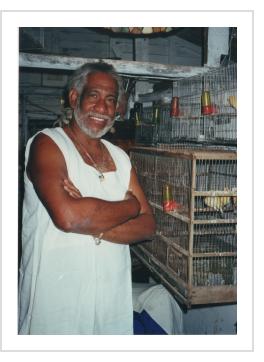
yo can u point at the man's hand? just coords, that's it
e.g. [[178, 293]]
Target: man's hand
[[71, 189], [130, 196], [138, 228]]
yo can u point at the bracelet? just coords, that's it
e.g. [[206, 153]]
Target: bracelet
[[97, 239]]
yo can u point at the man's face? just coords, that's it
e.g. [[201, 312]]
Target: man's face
[[96, 106]]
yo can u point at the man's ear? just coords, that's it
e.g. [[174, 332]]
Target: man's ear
[[73, 97]]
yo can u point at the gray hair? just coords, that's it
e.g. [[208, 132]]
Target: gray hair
[[79, 77]]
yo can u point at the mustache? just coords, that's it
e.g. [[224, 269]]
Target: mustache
[[97, 115]]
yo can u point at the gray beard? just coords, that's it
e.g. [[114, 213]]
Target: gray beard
[[88, 131]]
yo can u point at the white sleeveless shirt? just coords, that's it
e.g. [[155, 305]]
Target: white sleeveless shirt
[[68, 284]]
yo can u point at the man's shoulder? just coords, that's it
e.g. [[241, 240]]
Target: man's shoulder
[[51, 131], [40, 136], [45, 138]]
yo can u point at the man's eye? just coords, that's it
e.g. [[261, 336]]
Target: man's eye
[[112, 100], [89, 95], [92, 95]]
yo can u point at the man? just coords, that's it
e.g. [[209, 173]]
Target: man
[[83, 205]]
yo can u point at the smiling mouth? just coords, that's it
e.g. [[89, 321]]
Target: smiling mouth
[[97, 119]]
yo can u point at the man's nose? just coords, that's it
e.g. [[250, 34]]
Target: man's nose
[[100, 106]]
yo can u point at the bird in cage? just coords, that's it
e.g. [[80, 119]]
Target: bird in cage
[[218, 203], [234, 199], [232, 101]]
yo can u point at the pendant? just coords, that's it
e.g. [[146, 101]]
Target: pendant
[[97, 241], [101, 177]]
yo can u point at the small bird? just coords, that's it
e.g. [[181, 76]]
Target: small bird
[[217, 203], [232, 101]]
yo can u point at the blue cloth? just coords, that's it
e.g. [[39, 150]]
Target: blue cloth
[[144, 324]]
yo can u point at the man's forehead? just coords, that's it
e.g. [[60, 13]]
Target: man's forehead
[[101, 76]]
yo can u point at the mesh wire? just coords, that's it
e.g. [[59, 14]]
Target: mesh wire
[[219, 127], [213, 271]]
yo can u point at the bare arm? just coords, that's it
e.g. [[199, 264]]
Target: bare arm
[[139, 228], [47, 169]]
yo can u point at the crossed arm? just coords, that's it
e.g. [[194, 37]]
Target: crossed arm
[[124, 221], [138, 228]]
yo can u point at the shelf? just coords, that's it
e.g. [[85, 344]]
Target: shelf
[[123, 67], [201, 116], [197, 221], [172, 213], [201, 154], [214, 221], [214, 193]]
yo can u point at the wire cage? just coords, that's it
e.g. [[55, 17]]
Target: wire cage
[[146, 131], [204, 188], [149, 126], [195, 244], [189, 91], [146, 134], [221, 82], [214, 129], [206, 109]]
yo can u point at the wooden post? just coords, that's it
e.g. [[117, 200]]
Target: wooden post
[[191, 226]]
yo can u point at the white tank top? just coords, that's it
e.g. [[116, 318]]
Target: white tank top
[[68, 284]]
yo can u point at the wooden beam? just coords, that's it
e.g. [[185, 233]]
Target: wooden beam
[[214, 294], [123, 67], [203, 154]]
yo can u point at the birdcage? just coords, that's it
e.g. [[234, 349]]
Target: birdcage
[[149, 129], [146, 131], [189, 91], [206, 109], [221, 82], [194, 250]]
